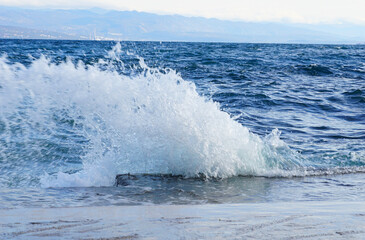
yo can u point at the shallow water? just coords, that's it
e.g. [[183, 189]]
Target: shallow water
[[260, 122], [152, 190]]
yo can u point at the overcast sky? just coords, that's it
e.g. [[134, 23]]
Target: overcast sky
[[303, 11]]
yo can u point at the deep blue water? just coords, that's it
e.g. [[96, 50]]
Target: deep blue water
[[191, 122]]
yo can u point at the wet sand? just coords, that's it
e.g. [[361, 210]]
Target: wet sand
[[293, 220]]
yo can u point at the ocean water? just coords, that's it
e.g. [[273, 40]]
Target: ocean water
[[88, 123]]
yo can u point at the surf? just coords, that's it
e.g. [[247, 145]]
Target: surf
[[82, 124]]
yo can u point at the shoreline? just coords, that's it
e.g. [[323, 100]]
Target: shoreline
[[284, 220]]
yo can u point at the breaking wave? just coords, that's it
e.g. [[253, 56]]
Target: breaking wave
[[75, 124]]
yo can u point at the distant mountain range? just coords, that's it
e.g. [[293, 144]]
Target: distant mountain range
[[100, 24]]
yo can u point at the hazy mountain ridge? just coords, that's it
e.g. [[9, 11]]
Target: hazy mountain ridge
[[11, 32], [130, 25]]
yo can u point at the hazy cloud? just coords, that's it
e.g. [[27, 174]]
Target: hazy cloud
[[305, 11]]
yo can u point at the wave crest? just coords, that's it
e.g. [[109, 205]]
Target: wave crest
[[138, 121]]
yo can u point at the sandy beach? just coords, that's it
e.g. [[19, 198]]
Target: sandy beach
[[295, 220]]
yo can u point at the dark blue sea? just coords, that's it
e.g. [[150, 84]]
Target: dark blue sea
[[97, 123]]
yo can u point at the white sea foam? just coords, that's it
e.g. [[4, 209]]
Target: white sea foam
[[148, 122]]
